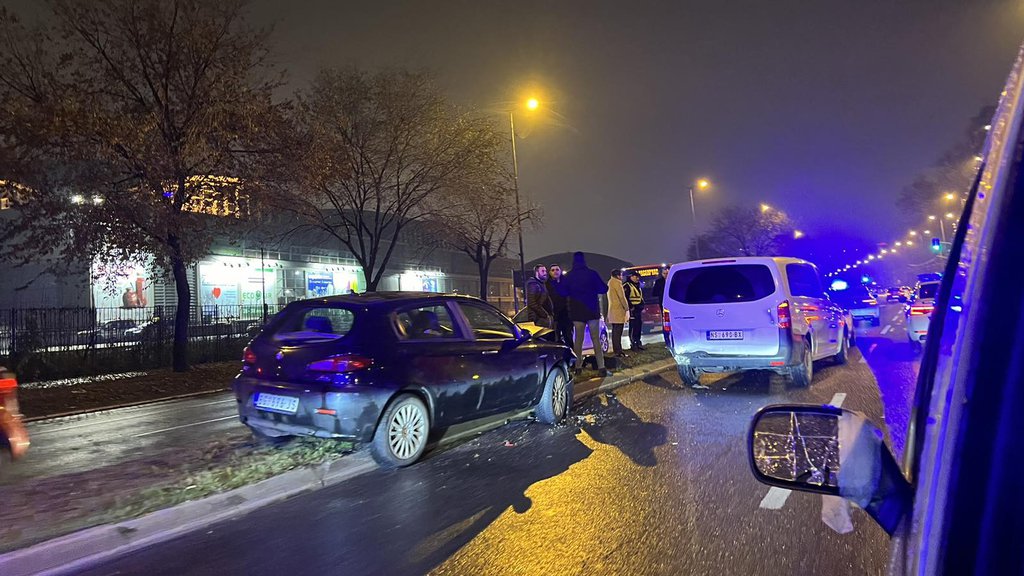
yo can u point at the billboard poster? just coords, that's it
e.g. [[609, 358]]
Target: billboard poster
[[319, 284], [218, 285]]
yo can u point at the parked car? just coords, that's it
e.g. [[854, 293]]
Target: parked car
[[753, 313], [856, 299], [110, 331], [389, 368], [953, 506], [919, 312], [548, 334]]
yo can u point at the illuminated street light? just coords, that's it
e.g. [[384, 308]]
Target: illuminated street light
[[871, 256], [532, 104], [765, 207], [913, 232], [927, 231], [978, 158], [77, 199], [859, 262], [931, 217], [910, 242], [97, 200], [893, 251], [798, 234], [702, 184], [884, 251], [898, 243], [950, 196], [988, 127], [949, 215]]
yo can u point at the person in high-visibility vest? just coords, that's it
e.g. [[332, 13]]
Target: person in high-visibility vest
[[635, 297]]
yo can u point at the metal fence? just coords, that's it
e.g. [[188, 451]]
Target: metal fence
[[44, 343]]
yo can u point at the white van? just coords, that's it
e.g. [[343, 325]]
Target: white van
[[754, 313]]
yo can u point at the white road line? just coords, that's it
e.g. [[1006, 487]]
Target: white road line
[[776, 497], [183, 426], [886, 330]]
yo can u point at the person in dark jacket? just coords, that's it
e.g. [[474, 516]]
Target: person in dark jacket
[[658, 290], [635, 297], [539, 309], [582, 288], [563, 325]]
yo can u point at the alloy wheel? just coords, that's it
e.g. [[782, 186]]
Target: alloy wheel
[[407, 431]]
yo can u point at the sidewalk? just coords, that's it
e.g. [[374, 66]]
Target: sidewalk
[[116, 509]]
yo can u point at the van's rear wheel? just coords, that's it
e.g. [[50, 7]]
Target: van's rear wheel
[[802, 374], [689, 376]]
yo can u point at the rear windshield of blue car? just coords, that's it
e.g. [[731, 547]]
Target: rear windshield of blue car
[[304, 324], [722, 284]]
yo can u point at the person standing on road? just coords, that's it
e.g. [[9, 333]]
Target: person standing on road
[[635, 298], [658, 290], [563, 325], [539, 309], [618, 310], [581, 289]]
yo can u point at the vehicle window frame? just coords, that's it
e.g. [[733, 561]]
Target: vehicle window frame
[[817, 289], [772, 270], [460, 329], [273, 331], [471, 334]]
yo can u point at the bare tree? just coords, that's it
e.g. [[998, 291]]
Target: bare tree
[[133, 123], [377, 152], [743, 231]]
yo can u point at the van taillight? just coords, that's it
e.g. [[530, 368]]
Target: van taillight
[[340, 364], [666, 323], [785, 321], [248, 356]]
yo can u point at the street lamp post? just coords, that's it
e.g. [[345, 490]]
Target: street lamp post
[[515, 182], [702, 184]]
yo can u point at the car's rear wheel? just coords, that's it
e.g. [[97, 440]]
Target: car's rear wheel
[[689, 376], [554, 402], [802, 374], [843, 356], [401, 435], [604, 342]]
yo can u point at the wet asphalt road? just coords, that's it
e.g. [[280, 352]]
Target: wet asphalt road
[[652, 479]]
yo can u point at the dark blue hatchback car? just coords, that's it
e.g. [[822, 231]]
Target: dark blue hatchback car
[[390, 367]]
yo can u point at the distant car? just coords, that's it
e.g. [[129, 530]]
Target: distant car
[[861, 305], [110, 331], [894, 295], [388, 368], [919, 312], [752, 313], [549, 334]]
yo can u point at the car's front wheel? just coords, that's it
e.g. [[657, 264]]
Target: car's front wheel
[[401, 435], [554, 401]]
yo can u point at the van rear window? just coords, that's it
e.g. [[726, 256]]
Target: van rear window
[[722, 284], [313, 324]]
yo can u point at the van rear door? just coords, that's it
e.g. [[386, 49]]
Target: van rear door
[[724, 307]]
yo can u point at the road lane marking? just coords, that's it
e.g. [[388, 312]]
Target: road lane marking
[[184, 426], [776, 497], [886, 330]]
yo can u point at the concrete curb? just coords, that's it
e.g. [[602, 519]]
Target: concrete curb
[[79, 550]]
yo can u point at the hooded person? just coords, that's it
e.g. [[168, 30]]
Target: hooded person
[[582, 289]]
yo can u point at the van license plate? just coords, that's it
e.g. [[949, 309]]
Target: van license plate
[[725, 334], [275, 403]]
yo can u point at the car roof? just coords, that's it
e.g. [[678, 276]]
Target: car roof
[[780, 261], [387, 299]]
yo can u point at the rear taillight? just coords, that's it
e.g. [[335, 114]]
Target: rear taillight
[[248, 356], [921, 310], [341, 364], [666, 323], [871, 301], [785, 320]]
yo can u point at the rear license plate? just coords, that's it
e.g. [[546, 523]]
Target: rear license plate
[[276, 403], [725, 334]]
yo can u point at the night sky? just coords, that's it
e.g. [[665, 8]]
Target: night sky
[[825, 109]]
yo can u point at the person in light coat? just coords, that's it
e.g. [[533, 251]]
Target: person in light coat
[[618, 310]]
